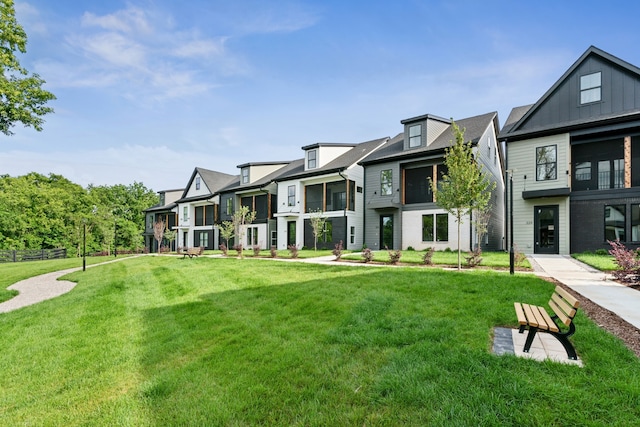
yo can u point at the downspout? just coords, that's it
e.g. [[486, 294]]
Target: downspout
[[346, 222]]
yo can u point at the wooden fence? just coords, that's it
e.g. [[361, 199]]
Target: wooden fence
[[31, 255]]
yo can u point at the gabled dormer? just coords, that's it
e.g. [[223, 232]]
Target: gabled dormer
[[421, 131], [318, 155], [253, 172]]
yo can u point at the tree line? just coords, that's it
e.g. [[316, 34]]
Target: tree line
[[46, 212]]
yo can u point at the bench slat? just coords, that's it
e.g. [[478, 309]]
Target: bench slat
[[563, 305], [530, 316], [522, 319], [551, 325], [574, 302], [537, 311], [561, 315]]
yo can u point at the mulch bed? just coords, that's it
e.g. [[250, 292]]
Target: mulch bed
[[608, 320]]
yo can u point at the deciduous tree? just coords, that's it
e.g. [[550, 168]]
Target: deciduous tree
[[22, 98], [465, 187], [318, 221]]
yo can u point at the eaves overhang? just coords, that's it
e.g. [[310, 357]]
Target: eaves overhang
[[578, 127]]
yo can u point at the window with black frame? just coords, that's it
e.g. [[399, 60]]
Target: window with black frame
[[546, 163], [615, 218]]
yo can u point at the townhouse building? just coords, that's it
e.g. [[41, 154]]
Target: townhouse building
[[328, 182], [401, 210], [574, 157]]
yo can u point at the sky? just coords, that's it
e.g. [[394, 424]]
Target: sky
[[148, 90]]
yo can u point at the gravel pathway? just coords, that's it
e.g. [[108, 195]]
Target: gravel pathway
[[40, 288]]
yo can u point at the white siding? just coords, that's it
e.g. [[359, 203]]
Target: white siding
[[522, 160], [412, 232]]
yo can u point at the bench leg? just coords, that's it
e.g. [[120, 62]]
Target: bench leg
[[564, 340], [530, 336]]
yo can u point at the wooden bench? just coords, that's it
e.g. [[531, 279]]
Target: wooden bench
[[191, 252], [536, 318]]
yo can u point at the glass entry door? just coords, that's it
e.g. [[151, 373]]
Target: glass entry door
[[546, 230], [386, 231]]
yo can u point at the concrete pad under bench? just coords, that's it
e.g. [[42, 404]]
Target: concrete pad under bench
[[544, 346]]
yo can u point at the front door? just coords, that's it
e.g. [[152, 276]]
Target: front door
[[546, 229], [386, 231], [291, 233]]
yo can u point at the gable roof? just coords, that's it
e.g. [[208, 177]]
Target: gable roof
[[265, 180], [340, 163], [474, 127], [538, 119], [213, 180]]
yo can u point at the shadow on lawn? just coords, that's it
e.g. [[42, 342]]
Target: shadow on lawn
[[269, 354]]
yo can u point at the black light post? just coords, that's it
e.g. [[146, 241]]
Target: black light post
[[511, 252], [115, 235], [84, 245]]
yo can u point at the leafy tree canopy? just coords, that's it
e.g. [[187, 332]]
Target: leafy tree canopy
[[43, 212], [22, 98]]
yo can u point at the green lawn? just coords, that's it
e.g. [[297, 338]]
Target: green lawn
[[169, 341], [13, 272], [601, 262]]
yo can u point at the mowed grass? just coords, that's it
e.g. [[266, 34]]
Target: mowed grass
[[168, 341], [601, 262], [13, 272]]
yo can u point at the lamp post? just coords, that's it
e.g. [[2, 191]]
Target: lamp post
[[84, 244], [511, 251]]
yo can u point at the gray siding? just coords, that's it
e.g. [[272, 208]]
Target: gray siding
[[376, 205], [620, 93]]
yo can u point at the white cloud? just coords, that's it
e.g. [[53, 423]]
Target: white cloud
[[113, 49], [200, 48], [129, 20]]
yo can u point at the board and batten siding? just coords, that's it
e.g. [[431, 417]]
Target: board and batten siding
[[522, 160], [375, 205]]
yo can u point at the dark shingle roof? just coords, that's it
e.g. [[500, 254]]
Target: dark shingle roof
[[267, 179], [473, 128], [351, 157]]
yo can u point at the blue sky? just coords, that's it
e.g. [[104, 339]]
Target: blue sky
[[149, 89]]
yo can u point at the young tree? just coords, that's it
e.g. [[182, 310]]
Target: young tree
[[170, 236], [240, 218], [22, 98], [318, 221], [465, 187], [158, 232], [227, 232]]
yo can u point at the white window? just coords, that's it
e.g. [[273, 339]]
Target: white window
[[311, 159], [291, 195], [415, 136], [204, 239], [185, 213], [590, 88], [245, 175], [197, 182]]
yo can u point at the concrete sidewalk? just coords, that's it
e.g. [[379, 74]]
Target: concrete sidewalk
[[593, 284]]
